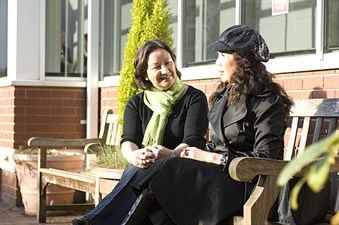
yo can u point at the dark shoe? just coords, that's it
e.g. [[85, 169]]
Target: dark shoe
[[81, 221]]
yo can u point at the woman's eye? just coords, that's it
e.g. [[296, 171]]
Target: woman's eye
[[156, 67]]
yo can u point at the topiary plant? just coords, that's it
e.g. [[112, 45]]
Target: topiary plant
[[150, 20]]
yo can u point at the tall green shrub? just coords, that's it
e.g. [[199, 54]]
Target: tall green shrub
[[150, 20]]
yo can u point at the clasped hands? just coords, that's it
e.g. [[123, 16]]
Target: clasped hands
[[146, 156]]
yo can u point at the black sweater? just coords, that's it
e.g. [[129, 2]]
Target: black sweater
[[187, 124]]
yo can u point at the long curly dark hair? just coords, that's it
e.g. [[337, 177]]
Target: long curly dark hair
[[251, 77]]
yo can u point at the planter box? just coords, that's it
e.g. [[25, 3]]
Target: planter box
[[108, 178], [26, 169]]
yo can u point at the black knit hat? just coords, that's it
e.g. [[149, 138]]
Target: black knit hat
[[245, 41]]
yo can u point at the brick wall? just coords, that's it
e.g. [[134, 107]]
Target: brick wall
[[302, 85], [37, 111], [312, 84], [49, 112], [9, 188]]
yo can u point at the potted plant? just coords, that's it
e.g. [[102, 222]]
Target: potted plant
[[26, 168], [109, 165]]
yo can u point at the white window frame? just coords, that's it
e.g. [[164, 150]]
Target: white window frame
[[281, 64]]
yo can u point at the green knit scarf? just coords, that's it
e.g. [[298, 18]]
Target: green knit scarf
[[161, 103]]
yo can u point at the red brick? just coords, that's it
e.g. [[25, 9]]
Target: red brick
[[38, 110], [63, 111], [38, 94], [325, 72], [306, 73], [314, 82], [331, 81], [292, 83], [300, 94]]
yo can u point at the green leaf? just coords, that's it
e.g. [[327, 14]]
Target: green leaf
[[294, 193], [318, 174], [328, 145]]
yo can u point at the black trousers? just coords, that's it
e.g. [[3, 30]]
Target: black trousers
[[147, 211], [115, 206]]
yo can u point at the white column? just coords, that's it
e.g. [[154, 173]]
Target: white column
[[23, 40], [92, 69], [320, 27], [180, 37]]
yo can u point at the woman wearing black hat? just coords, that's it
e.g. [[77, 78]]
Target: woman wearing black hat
[[247, 116]]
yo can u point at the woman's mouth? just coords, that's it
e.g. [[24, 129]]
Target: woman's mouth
[[220, 73]]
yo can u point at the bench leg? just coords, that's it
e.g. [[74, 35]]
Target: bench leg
[[96, 195], [261, 201], [41, 212]]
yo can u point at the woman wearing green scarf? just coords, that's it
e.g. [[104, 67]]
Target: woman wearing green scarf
[[160, 122]]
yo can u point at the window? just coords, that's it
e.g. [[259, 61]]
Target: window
[[204, 20], [294, 31], [115, 24], [332, 25], [66, 38], [3, 38]]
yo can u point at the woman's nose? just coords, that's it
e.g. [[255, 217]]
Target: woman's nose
[[163, 69], [218, 61]]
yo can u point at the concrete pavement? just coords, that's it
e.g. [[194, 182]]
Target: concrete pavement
[[16, 216]]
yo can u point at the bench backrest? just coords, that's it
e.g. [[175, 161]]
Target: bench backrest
[[310, 120], [109, 128]]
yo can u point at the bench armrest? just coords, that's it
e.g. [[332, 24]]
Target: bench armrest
[[58, 142], [245, 169]]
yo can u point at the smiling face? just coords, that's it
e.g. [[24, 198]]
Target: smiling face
[[226, 67], [161, 70]]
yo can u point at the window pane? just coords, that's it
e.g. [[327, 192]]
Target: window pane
[[293, 31], [173, 6], [3, 38], [332, 27], [116, 22], [204, 20], [66, 44], [115, 26]]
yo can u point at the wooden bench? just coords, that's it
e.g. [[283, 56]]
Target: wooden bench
[[82, 181], [310, 121]]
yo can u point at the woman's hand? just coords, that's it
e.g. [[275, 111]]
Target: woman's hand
[[194, 153], [200, 155], [160, 151], [142, 158]]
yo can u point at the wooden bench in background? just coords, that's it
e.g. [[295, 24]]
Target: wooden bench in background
[[82, 181], [311, 120]]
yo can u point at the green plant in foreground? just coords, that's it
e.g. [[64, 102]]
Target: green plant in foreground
[[320, 156]]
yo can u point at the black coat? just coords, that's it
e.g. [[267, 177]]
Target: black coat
[[193, 192], [255, 129]]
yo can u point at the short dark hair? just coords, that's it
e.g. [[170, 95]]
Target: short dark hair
[[141, 61]]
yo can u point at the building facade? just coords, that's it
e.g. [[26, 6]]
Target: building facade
[[60, 59]]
